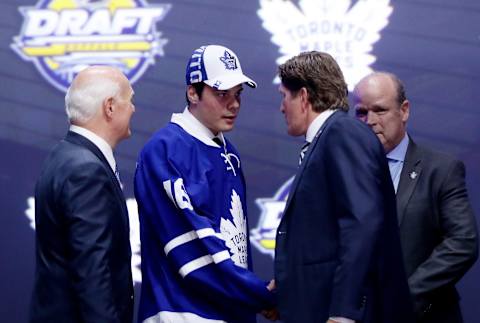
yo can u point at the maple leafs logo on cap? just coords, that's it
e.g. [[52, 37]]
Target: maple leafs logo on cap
[[229, 60]]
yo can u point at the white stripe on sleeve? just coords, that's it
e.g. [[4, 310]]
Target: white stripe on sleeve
[[179, 240], [203, 261], [195, 264], [187, 237]]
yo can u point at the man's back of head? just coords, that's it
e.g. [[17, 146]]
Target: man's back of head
[[99, 99], [320, 74]]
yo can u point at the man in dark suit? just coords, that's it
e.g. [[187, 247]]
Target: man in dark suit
[[83, 270], [337, 256], [437, 227]]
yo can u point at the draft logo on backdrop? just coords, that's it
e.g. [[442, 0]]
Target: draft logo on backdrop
[[263, 235], [62, 37], [345, 29]]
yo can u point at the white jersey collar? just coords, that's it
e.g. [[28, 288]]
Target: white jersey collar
[[195, 128]]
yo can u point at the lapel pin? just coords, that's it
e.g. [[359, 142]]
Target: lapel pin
[[413, 175]]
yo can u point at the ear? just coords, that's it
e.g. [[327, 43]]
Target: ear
[[303, 94], [405, 110], [108, 107], [192, 95]]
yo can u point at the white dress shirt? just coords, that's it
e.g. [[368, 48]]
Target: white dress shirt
[[99, 142], [317, 123]]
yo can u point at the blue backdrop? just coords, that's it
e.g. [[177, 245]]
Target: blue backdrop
[[433, 45]]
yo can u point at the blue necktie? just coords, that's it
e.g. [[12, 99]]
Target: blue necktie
[[395, 166]]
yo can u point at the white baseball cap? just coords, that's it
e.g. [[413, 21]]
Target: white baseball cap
[[216, 66]]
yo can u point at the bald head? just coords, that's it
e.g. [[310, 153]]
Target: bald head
[[100, 100], [384, 82], [379, 100], [89, 89]]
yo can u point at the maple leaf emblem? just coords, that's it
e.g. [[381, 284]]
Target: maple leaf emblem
[[334, 26], [229, 61], [235, 234]]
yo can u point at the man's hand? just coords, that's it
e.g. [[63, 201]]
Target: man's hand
[[340, 320], [271, 285], [271, 314]]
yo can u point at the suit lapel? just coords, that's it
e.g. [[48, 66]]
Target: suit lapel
[[411, 172], [299, 174], [75, 138]]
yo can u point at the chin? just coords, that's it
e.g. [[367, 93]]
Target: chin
[[294, 132], [226, 128], [127, 135]]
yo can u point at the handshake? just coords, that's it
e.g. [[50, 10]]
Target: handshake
[[271, 314]]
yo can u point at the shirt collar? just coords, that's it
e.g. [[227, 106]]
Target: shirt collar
[[317, 124], [195, 128], [399, 152], [97, 141]]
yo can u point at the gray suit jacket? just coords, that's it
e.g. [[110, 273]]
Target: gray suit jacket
[[437, 229]]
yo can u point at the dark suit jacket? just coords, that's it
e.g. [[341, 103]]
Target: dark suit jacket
[[438, 231], [337, 248], [83, 271]]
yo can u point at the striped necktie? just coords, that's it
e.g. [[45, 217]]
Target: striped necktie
[[117, 175], [303, 151]]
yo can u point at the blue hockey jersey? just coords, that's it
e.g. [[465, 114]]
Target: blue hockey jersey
[[193, 229]]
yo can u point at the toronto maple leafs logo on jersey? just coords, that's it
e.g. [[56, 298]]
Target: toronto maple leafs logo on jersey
[[263, 236], [334, 26], [229, 60], [235, 233]]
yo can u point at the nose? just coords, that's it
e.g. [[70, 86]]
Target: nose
[[371, 118], [234, 104]]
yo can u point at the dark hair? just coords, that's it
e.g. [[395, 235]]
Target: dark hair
[[199, 86], [320, 74]]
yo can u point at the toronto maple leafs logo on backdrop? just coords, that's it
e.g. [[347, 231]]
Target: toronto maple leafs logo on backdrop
[[235, 234], [337, 27], [229, 60]]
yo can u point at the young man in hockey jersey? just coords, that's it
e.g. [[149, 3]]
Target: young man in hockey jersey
[[190, 191]]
